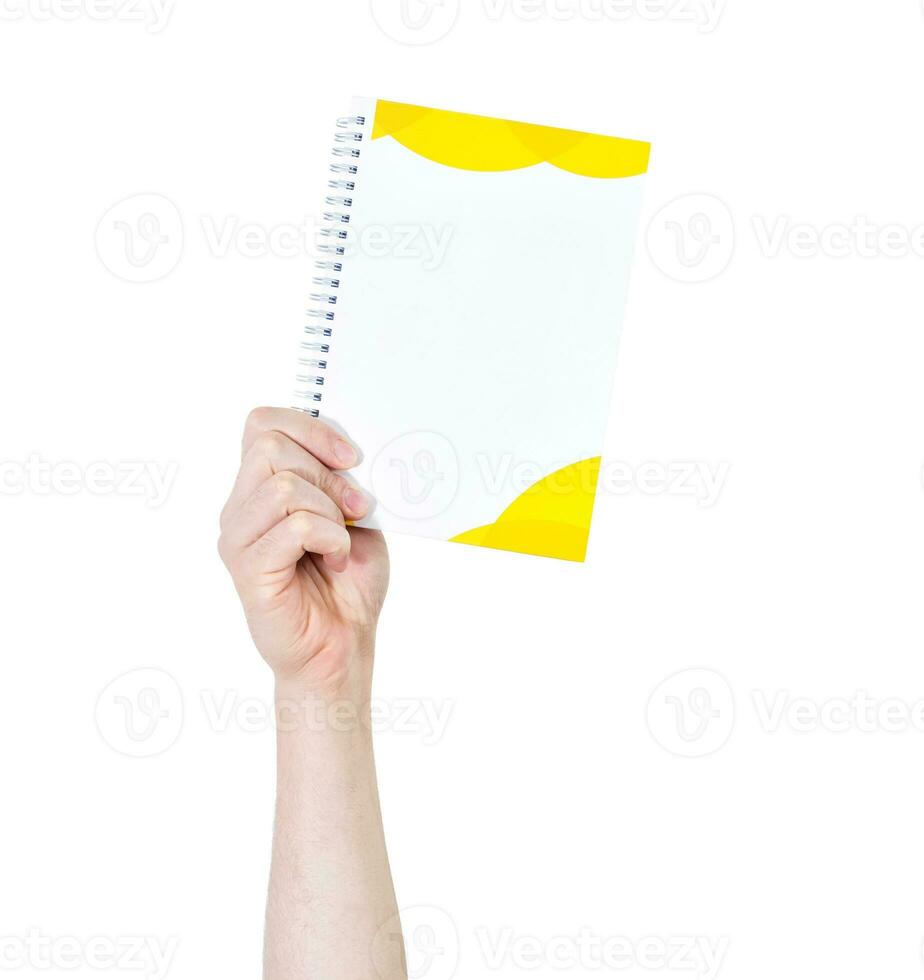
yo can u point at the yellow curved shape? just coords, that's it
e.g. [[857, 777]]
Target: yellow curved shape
[[457, 139], [551, 518]]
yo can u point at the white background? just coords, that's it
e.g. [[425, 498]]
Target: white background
[[562, 796]]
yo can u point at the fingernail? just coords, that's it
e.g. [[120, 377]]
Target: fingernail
[[345, 452], [356, 501]]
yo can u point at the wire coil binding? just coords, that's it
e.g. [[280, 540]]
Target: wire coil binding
[[323, 298]]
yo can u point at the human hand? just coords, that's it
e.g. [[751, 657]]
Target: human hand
[[311, 588]]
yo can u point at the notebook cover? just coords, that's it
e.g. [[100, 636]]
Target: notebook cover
[[474, 319]]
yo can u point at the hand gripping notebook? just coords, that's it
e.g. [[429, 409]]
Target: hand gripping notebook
[[464, 319]]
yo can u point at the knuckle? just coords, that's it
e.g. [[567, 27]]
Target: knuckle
[[270, 443], [302, 523], [257, 419], [285, 483]]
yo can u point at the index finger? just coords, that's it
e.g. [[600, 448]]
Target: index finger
[[318, 438]]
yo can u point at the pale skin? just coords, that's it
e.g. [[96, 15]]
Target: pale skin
[[312, 589]]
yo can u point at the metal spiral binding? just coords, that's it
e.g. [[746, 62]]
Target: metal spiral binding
[[329, 264]]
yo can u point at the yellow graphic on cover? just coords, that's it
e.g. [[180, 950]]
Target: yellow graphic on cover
[[467, 142], [551, 518]]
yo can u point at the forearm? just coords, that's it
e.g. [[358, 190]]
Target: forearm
[[312, 587], [330, 888]]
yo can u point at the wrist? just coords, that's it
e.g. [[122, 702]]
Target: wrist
[[329, 695]]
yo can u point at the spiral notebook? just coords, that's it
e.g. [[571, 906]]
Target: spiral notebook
[[464, 318]]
